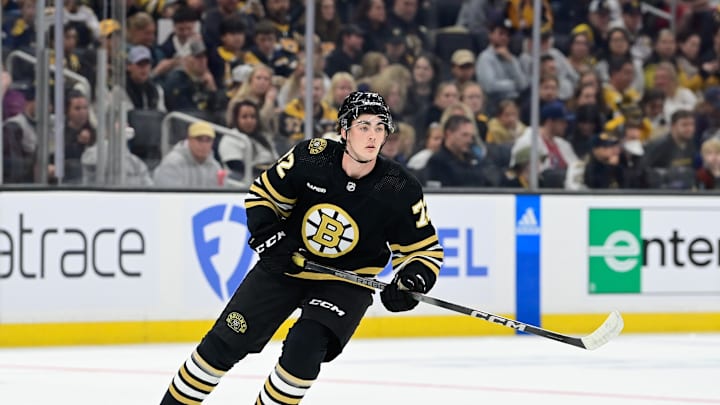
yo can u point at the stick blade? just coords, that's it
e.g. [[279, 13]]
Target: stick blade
[[611, 328]]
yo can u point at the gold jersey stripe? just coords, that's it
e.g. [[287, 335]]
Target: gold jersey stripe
[[438, 254], [291, 379], [279, 396], [181, 398], [432, 266], [415, 246], [277, 196], [194, 382], [205, 366]]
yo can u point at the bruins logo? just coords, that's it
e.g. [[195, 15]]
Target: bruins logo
[[236, 322], [317, 145], [329, 231]]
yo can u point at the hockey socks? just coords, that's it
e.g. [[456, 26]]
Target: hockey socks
[[193, 382], [283, 388]]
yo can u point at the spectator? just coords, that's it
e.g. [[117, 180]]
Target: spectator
[[674, 154], [708, 176], [267, 50], [506, 126], [135, 171], [191, 87], [676, 96], [402, 19], [397, 50], [445, 94], [258, 88], [653, 107], [708, 116], [553, 62], [292, 120], [618, 90], [619, 49], [497, 70], [603, 168], [476, 15], [190, 163], [229, 54], [431, 143], [185, 21], [393, 91], [471, 94], [371, 17], [665, 50], [710, 61], [79, 135], [553, 125], [631, 156], [398, 145], [455, 164], [20, 143], [19, 30], [233, 147], [141, 30], [688, 62], [702, 20], [225, 9], [597, 26], [462, 66], [548, 94], [425, 78], [371, 65], [279, 13], [341, 85], [631, 20], [141, 91], [579, 56], [84, 20], [630, 113], [346, 57], [327, 24], [518, 175], [587, 124]]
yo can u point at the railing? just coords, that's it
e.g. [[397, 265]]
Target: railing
[[82, 80], [165, 140]]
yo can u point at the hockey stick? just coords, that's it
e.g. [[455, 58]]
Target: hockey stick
[[612, 326]]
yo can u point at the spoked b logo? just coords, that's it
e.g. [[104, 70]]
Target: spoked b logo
[[220, 236]]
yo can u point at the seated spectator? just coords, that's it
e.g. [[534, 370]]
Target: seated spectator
[[229, 54], [327, 24], [291, 122], [618, 90], [673, 155], [393, 91], [587, 124], [341, 85], [371, 64], [632, 21], [268, 51], [665, 50], [708, 116], [548, 94], [619, 49], [135, 171], [233, 147], [142, 30], [506, 126], [79, 135], [497, 70], [631, 156], [688, 62], [402, 18], [603, 169], [191, 87], [432, 142], [140, 89], [425, 78], [178, 42], [259, 89], [676, 97], [553, 63], [398, 146], [630, 114], [346, 57], [20, 142], [553, 125], [579, 56], [371, 17], [190, 163], [84, 20], [518, 175], [445, 94], [455, 164], [471, 94], [708, 176], [398, 51], [19, 30], [228, 9], [462, 67], [653, 106]]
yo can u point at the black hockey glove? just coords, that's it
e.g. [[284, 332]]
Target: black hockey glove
[[275, 248], [413, 277]]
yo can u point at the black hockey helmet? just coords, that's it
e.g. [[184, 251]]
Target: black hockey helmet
[[358, 103]]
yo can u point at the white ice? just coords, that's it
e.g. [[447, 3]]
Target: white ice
[[632, 369]]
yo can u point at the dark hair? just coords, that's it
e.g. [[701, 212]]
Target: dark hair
[[454, 122], [71, 95], [232, 25], [236, 112], [546, 57], [616, 63], [680, 114], [185, 13], [265, 27], [651, 95]]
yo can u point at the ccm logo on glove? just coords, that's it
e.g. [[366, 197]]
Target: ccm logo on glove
[[270, 242]]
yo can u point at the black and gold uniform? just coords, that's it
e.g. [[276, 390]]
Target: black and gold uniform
[[307, 201]]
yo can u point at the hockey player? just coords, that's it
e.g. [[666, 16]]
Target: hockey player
[[339, 204]]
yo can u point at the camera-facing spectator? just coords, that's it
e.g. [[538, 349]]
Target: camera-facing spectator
[[19, 30], [229, 54], [190, 163], [708, 176], [266, 50], [672, 156], [79, 135], [291, 122], [177, 44], [227, 9], [603, 169], [142, 92], [462, 66], [347, 56], [505, 127], [676, 97], [371, 17]]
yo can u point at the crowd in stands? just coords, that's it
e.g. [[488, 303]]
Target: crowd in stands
[[628, 99]]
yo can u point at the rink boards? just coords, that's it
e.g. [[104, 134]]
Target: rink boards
[[115, 267]]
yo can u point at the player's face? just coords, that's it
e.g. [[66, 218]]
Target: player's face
[[365, 136]]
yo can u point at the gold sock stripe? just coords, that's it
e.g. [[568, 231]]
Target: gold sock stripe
[[181, 398], [192, 381], [291, 379], [280, 396], [287, 389], [205, 366]]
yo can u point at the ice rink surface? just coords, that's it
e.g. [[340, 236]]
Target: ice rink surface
[[632, 369]]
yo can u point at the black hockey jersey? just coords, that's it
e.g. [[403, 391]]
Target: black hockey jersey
[[351, 224]]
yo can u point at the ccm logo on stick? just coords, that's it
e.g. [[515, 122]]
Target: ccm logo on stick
[[327, 305], [494, 319]]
